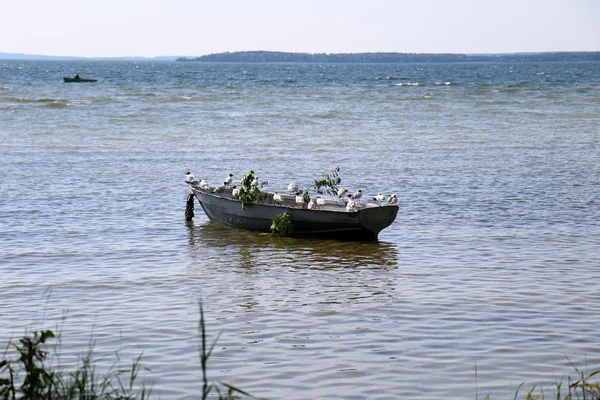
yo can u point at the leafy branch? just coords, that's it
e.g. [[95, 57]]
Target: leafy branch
[[329, 183], [283, 225], [249, 193]]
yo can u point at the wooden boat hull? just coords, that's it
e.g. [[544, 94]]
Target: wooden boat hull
[[66, 79], [331, 222]]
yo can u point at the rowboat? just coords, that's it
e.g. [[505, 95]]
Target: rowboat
[[67, 79], [329, 217]]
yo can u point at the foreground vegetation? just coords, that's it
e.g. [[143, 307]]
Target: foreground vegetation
[[583, 388], [29, 377]]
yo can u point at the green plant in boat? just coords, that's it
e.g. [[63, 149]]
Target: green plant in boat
[[248, 192]]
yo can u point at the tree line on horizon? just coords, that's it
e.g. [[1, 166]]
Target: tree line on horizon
[[286, 57]]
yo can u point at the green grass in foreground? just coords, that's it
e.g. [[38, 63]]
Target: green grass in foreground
[[28, 377], [583, 388]]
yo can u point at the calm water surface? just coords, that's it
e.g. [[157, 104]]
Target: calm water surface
[[491, 264]]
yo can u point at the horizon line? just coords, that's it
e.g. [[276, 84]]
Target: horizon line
[[32, 55]]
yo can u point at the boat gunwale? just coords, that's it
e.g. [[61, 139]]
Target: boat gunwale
[[334, 208]]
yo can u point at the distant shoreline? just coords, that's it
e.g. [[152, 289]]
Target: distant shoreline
[[334, 58], [390, 58]]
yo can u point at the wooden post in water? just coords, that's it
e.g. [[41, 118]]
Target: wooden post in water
[[189, 207]]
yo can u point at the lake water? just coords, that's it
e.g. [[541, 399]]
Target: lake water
[[492, 265]]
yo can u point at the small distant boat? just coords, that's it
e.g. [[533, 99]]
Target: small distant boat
[[331, 218], [78, 79]]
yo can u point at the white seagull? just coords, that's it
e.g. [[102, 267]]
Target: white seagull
[[191, 179], [341, 192], [393, 199], [235, 192], [292, 188], [228, 180], [203, 184], [357, 195], [350, 206], [379, 198], [255, 182]]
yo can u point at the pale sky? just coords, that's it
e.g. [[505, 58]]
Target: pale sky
[[116, 28]]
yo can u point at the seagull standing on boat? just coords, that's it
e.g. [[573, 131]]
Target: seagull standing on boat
[[341, 192], [228, 180], [351, 206], [379, 198], [393, 199], [203, 184], [357, 195], [255, 182], [292, 188], [235, 192], [191, 179]]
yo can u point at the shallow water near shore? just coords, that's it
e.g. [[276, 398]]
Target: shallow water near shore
[[491, 263]]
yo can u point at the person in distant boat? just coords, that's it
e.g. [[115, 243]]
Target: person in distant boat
[[77, 76]]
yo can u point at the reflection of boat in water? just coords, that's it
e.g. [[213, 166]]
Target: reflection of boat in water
[[214, 241], [332, 218]]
